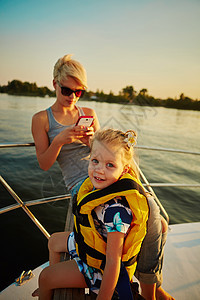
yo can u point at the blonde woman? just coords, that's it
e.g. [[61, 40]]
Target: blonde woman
[[54, 130]]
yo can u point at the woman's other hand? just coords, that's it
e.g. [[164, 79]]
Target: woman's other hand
[[72, 134], [89, 132]]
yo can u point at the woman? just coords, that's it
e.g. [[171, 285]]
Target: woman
[[55, 134]]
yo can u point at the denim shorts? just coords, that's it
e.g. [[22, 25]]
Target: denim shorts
[[150, 261]]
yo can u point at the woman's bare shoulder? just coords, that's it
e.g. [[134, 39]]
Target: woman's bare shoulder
[[88, 111], [40, 120], [40, 116]]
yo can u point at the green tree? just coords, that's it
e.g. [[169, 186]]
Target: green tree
[[129, 93], [143, 92], [182, 96]]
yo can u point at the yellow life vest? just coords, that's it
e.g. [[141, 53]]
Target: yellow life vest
[[90, 246]]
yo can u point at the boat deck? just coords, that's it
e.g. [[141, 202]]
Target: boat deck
[[181, 274], [181, 271]]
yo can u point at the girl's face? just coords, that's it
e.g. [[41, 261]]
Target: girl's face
[[105, 166], [67, 101]]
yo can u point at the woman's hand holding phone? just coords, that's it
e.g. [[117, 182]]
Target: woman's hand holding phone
[[85, 123]]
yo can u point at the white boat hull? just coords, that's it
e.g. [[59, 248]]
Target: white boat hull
[[181, 271], [24, 291]]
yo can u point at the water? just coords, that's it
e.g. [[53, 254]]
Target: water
[[23, 247]]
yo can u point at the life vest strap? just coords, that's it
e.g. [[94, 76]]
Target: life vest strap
[[85, 248], [81, 218], [131, 261], [119, 186]]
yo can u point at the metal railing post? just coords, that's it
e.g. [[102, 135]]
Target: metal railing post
[[152, 192], [25, 208]]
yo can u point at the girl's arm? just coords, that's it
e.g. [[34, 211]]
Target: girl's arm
[[114, 249]]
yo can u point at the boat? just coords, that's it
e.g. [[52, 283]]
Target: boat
[[181, 275]]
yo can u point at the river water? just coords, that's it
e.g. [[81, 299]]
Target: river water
[[23, 246]]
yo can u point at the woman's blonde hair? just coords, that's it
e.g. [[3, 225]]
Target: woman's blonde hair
[[119, 139], [65, 66]]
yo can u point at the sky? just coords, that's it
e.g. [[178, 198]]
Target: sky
[[152, 44]]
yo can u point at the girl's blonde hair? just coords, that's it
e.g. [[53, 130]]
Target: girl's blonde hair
[[65, 66], [119, 139]]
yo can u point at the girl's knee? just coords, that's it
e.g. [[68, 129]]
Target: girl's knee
[[44, 277], [52, 241], [58, 241]]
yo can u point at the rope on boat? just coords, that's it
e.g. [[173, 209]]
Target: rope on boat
[[35, 202], [161, 184], [12, 145], [167, 150]]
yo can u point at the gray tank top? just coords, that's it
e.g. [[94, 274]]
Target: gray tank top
[[73, 158]]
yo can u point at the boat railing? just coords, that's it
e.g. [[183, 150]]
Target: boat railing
[[148, 186], [11, 145]]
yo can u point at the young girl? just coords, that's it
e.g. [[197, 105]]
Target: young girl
[[111, 213]]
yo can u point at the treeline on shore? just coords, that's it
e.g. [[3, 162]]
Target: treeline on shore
[[126, 95], [17, 87]]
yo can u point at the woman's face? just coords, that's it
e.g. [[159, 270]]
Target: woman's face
[[67, 101]]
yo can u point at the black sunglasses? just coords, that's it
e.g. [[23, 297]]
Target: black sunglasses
[[65, 91]]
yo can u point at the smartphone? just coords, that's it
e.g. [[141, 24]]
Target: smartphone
[[86, 121]]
